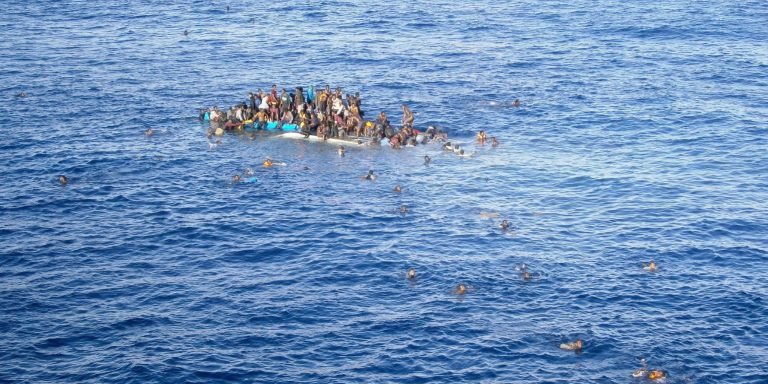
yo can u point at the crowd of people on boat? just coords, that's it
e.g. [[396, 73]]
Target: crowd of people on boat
[[326, 113]]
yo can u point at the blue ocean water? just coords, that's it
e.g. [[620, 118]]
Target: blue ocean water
[[641, 135]]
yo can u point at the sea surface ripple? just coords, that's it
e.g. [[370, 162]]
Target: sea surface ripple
[[641, 136]]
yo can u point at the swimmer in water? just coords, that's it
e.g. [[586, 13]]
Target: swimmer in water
[[22, 94], [341, 150], [481, 136], [268, 162], [397, 189], [370, 176], [650, 374], [63, 180], [504, 225], [460, 289], [148, 132], [403, 209], [650, 267], [235, 179], [573, 346], [525, 275], [516, 103], [186, 32], [427, 159], [656, 374], [494, 142], [249, 172], [410, 273]]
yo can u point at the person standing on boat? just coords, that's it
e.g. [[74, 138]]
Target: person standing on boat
[[274, 103], [299, 99], [381, 125], [285, 103], [322, 101], [407, 117], [311, 95], [338, 114]]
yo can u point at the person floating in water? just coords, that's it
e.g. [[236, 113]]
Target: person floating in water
[[186, 32], [650, 374], [268, 162], [22, 94], [494, 142], [516, 103], [236, 179], [504, 225], [526, 276], [481, 137], [341, 150], [63, 180], [572, 346], [403, 208], [370, 176], [148, 132], [650, 267], [460, 289], [397, 189], [410, 274], [427, 159]]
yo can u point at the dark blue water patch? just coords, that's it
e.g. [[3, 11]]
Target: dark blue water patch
[[621, 165]]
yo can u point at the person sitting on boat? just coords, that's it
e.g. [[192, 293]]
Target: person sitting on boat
[[304, 121], [287, 119], [322, 127], [394, 141], [407, 116], [368, 129]]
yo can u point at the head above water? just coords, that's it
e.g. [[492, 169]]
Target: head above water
[[63, 180], [411, 273], [460, 289]]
